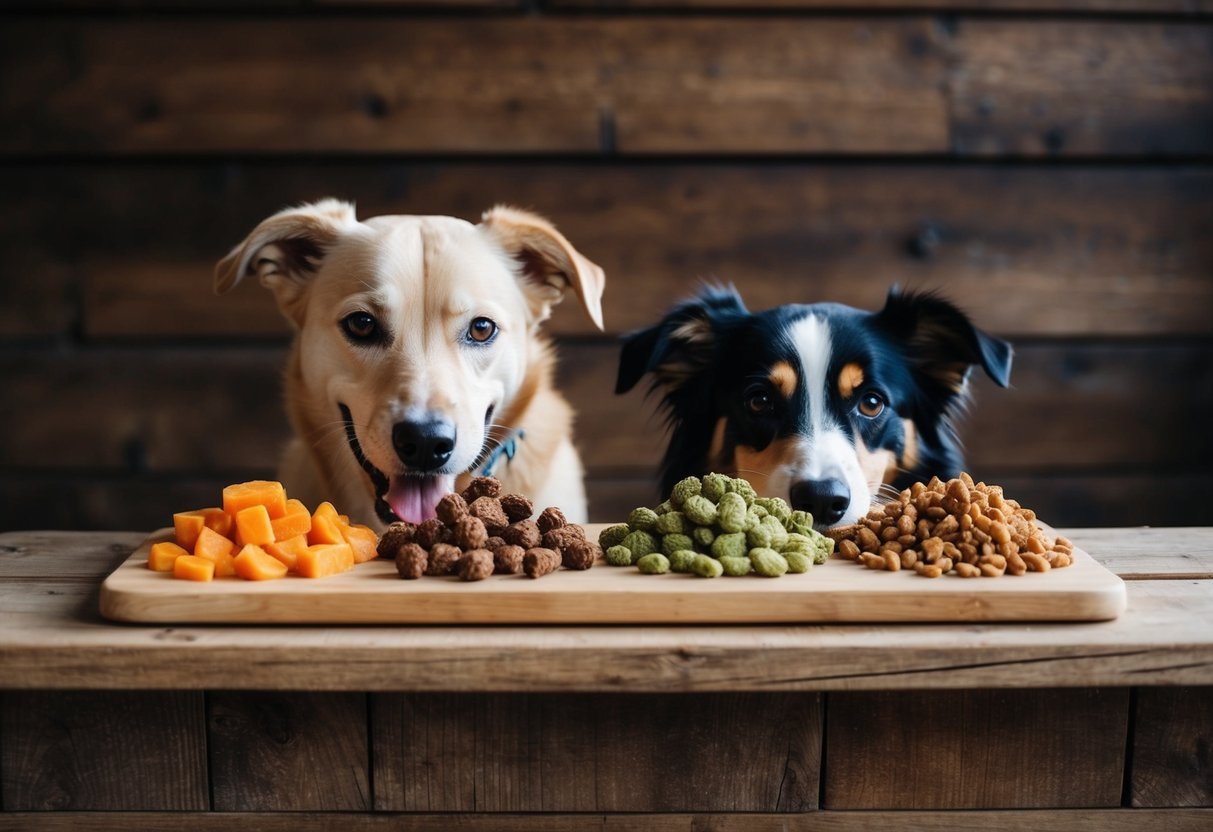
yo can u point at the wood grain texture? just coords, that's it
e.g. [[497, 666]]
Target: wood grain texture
[[102, 750], [596, 753], [1071, 251], [1082, 88], [218, 410], [1173, 747], [1048, 820], [288, 751], [51, 635], [373, 593], [423, 85], [975, 749], [1121, 551]]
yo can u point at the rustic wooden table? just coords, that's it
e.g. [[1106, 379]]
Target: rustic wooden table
[[1003, 726]]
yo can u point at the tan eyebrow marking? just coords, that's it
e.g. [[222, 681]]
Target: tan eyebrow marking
[[850, 378], [783, 377]]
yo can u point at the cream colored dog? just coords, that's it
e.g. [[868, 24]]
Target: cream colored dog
[[417, 360]]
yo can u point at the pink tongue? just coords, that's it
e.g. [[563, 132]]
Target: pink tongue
[[414, 497]]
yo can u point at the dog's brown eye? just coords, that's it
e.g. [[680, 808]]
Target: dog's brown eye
[[871, 405], [758, 402], [481, 330], [360, 326]]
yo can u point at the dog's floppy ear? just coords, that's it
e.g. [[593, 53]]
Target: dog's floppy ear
[[683, 344], [547, 260], [941, 341], [284, 249]]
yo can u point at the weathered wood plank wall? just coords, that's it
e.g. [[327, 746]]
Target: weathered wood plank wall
[[1046, 163]]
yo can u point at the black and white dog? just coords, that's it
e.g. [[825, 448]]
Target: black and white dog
[[820, 404]]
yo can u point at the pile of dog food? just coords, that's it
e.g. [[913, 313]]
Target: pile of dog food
[[717, 525], [966, 528], [259, 534], [481, 532]]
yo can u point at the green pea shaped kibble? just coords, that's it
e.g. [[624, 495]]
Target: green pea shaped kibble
[[758, 511], [671, 543], [699, 510], [642, 519], [825, 548], [798, 562], [731, 513], [684, 490], [664, 508], [612, 535], [706, 567], [731, 545], [799, 541], [737, 485], [714, 487], [759, 537], [736, 567], [800, 522], [681, 560], [672, 522], [768, 562], [776, 506], [641, 543], [619, 556], [779, 535], [703, 536], [653, 564]]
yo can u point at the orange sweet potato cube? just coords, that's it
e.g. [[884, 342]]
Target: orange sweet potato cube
[[187, 525], [324, 560], [162, 556], [255, 564], [287, 551], [363, 541], [212, 544], [192, 568], [324, 530], [225, 565], [266, 493], [253, 525], [296, 521]]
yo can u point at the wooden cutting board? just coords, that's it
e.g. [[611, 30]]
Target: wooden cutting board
[[838, 591]]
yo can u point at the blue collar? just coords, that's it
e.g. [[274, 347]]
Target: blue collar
[[507, 448]]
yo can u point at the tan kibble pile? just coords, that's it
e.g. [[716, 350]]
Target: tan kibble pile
[[957, 526]]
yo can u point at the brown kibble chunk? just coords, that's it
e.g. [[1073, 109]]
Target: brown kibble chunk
[[469, 533], [516, 507], [411, 561], [481, 487], [490, 512], [395, 536], [967, 570], [849, 549], [551, 518], [507, 560], [430, 532], [538, 562], [450, 508], [476, 565], [867, 540], [580, 554], [444, 559], [524, 533], [494, 543], [562, 537]]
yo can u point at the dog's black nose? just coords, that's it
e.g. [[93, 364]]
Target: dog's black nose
[[826, 500], [424, 446]]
